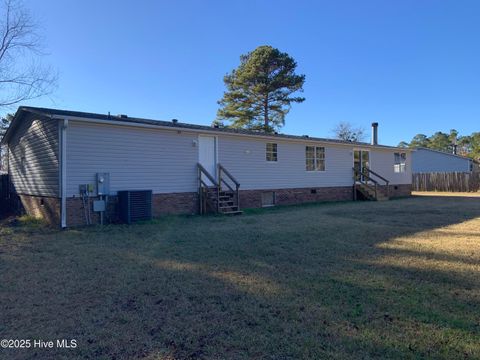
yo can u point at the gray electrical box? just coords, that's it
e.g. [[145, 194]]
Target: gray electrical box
[[86, 189], [103, 184], [99, 205]]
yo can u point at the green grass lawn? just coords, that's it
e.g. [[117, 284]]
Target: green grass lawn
[[397, 279]]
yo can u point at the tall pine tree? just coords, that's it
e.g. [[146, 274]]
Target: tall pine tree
[[259, 92]]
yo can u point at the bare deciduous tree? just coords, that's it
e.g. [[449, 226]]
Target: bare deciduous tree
[[346, 131], [4, 124], [22, 77]]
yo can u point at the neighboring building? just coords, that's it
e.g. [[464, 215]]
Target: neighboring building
[[55, 155], [427, 161]]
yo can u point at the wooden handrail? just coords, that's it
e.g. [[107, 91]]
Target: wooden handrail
[[216, 186], [226, 183], [377, 175], [205, 185], [381, 177], [221, 170], [368, 177], [356, 171], [370, 186], [206, 173], [202, 186], [220, 167]]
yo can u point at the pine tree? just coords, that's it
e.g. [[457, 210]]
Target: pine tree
[[420, 140], [440, 141], [259, 92]]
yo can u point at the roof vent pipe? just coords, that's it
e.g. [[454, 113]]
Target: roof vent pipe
[[374, 140]]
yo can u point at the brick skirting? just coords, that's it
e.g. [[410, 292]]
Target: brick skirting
[[187, 203], [253, 198], [398, 191], [162, 204], [47, 208]]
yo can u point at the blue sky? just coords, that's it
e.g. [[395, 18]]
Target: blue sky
[[413, 66]]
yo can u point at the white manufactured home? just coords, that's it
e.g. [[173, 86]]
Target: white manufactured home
[[74, 168]]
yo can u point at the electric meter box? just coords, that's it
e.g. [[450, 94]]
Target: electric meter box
[[103, 184]]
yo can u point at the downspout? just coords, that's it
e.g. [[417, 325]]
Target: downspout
[[63, 172], [9, 181]]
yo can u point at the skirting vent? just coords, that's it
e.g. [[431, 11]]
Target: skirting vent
[[268, 198]]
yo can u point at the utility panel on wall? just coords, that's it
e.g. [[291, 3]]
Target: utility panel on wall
[[103, 184]]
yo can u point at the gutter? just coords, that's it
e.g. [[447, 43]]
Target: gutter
[[203, 131], [63, 172]]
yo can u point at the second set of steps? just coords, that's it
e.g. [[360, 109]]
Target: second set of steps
[[369, 193]]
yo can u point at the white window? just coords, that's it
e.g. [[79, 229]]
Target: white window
[[315, 158], [399, 164], [271, 153]]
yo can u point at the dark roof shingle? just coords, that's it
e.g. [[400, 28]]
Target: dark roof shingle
[[127, 119]]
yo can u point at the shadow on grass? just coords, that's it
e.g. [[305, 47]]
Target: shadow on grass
[[316, 281]]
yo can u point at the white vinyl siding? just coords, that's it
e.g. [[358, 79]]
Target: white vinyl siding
[[33, 157], [382, 162], [163, 161], [244, 157]]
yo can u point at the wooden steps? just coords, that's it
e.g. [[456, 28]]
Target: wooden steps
[[226, 203], [366, 185], [219, 195], [368, 192]]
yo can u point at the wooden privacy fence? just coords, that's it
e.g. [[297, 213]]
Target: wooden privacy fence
[[446, 181], [5, 203]]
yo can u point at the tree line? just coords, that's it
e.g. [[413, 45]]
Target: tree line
[[453, 142]]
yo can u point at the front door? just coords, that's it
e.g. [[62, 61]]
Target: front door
[[207, 155], [361, 160]]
